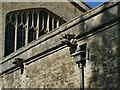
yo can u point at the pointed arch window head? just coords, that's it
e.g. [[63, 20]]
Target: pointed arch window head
[[24, 26]]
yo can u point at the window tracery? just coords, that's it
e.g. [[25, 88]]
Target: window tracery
[[24, 26]]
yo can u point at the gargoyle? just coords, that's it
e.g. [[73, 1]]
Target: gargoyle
[[19, 63], [70, 41]]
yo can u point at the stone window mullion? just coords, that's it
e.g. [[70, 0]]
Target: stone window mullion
[[48, 19], [27, 24], [43, 20], [37, 27], [32, 19], [58, 22], [16, 27], [21, 18]]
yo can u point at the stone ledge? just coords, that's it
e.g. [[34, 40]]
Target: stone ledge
[[51, 39]]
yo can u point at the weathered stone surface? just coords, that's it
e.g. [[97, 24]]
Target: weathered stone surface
[[55, 70], [1, 34], [67, 11], [104, 59], [98, 28]]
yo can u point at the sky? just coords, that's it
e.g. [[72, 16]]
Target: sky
[[94, 3]]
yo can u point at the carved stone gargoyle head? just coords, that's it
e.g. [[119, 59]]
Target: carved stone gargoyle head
[[19, 63], [70, 41]]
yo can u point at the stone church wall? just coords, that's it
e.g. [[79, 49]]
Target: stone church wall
[[48, 63]]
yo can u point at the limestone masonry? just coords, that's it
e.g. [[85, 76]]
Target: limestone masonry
[[47, 62]]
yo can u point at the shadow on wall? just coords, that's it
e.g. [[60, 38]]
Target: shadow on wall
[[118, 64], [103, 46]]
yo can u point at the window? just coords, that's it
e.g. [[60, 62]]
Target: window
[[24, 26]]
